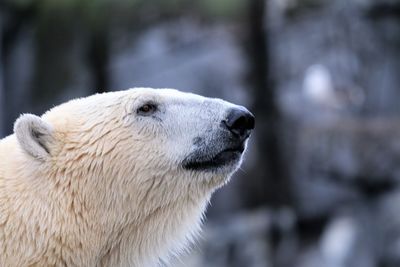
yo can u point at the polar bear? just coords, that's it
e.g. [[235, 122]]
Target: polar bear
[[115, 179]]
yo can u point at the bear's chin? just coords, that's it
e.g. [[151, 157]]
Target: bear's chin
[[225, 161]]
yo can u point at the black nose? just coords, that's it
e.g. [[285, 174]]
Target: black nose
[[240, 122]]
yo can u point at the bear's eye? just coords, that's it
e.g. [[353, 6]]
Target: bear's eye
[[147, 109]]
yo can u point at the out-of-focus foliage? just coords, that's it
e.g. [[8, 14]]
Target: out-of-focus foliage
[[104, 9]]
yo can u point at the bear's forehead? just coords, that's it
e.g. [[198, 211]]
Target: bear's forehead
[[132, 97]]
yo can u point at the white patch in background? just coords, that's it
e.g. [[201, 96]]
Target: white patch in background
[[338, 242], [318, 87]]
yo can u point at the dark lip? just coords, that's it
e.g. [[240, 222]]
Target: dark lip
[[223, 158]]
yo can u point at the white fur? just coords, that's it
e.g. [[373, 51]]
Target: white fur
[[107, 189]]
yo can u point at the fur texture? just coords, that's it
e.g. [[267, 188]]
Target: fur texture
[[92, 183]]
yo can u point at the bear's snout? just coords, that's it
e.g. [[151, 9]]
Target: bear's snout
[[240, 122]]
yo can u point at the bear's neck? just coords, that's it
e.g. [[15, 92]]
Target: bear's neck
[[163, 233], [159, 220], [80, 234], [150, 232]]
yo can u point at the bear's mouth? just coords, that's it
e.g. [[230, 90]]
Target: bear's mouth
[[226, 157]]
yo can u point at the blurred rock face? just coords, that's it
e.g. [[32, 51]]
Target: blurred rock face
[[330, 59]]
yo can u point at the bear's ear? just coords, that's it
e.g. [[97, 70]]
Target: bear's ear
[[34, 135]]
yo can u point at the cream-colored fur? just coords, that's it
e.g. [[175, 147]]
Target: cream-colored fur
[[92, 184]]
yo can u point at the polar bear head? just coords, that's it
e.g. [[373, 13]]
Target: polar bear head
[[135, 154]]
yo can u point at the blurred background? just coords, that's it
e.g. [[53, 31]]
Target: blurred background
[[320, 185]]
